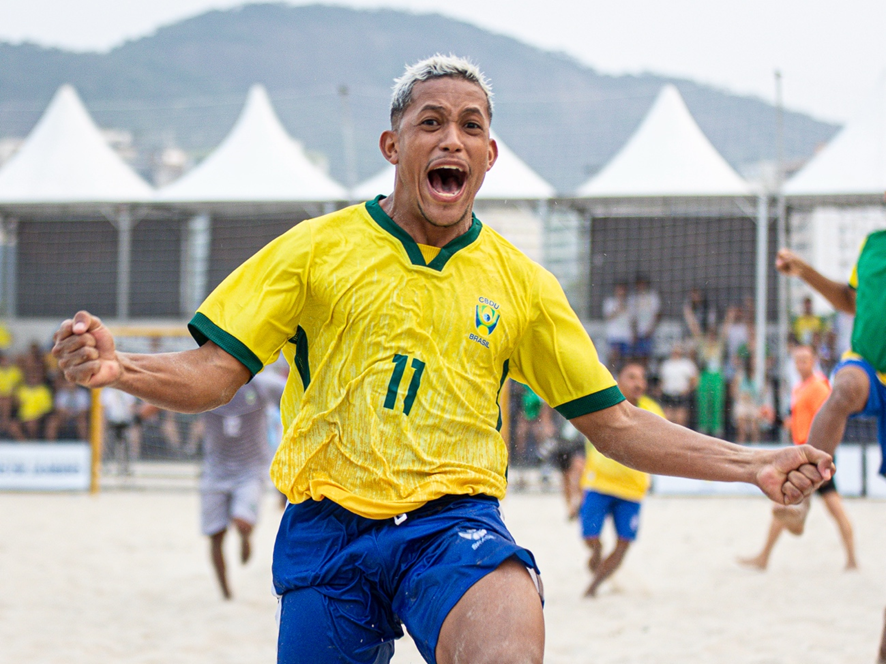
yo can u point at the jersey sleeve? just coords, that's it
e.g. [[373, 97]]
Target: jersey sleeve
[[557, 358], [853, 278], [255, 310]]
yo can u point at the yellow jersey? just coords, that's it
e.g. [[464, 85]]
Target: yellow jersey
[[10, 378], [399, 353], [604, 475], [34, 401]]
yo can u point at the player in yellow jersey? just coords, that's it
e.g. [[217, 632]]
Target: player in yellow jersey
[[401, 318], [611, 489], [11, 377]]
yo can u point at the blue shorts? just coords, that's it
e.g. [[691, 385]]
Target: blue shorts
[[596, 506], [347, 583], [876, 405]]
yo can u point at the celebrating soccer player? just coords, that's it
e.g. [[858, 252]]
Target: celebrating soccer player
[[402, 318]]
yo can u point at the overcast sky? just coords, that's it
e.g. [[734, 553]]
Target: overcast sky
[[830, 52]]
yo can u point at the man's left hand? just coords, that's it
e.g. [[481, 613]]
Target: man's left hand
[[791, 474]]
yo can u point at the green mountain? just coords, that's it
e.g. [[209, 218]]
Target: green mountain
[[186, 83]]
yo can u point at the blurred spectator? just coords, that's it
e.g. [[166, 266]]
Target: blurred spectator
[[5, 337], [619, 334], [645, 307], [679, 377], [33, 404], [807, 324], [71, 415], [11, 377], [709, 398], [36, 359], [826, 346], [746, 402], [697, 309], [737, 335], [121, 433], [535, 426]]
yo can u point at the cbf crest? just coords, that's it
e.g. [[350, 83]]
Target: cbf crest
[[486, 316]]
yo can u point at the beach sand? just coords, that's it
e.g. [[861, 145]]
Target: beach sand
[[124, 577]]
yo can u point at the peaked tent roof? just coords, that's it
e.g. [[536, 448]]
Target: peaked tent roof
[[66, 160], [509, 179], [854, 162], [258, 162], [667, 155]]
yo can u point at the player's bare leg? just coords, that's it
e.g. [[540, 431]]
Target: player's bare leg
[[608, 566], [596, 552], [849, 395], [572, 486], [218, 562], [761, 560], [245, 530], [497, 621], [834, 504]]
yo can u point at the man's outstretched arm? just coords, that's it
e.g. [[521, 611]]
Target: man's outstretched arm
[[189, 381], [650, 443], [841, 296]]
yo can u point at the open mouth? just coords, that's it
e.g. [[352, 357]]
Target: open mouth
[[447, 180]]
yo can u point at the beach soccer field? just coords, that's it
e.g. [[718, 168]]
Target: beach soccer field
[[124, 577]]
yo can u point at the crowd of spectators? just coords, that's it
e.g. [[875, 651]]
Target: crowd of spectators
[[704, 378], [36, 402]]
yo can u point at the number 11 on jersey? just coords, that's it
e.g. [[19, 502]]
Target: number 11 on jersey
[[418, 368]]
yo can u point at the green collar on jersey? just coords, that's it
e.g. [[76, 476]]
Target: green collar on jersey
[[412, 250]]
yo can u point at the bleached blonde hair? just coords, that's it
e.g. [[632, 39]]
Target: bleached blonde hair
[[437, 66]]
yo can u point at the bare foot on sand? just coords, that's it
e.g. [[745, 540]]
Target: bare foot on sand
[[793, 517], [757, 562]]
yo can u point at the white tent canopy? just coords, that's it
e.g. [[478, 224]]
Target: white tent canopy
[[667, 155], [854, 162], [509, 179], [66, 160], [258, 162]]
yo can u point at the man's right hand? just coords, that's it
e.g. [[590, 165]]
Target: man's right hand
[[789, 263], [86, 352]]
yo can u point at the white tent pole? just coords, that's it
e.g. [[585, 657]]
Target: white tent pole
[[124, 260], [761, 295], [195, 262], [9, 247], [782, 235]]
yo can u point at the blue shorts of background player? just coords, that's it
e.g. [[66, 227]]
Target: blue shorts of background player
[[596, 506], [876, 404], [347, 584]]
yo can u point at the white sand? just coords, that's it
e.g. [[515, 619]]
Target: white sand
[[124, 577]]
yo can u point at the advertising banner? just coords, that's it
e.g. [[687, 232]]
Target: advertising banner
[[44, 466]]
